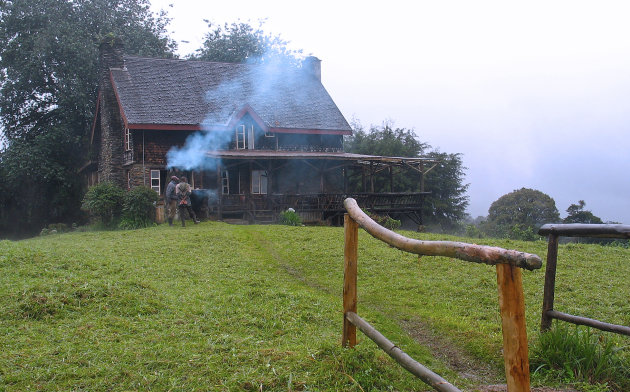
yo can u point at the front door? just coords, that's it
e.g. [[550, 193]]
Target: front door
[[259, 182]]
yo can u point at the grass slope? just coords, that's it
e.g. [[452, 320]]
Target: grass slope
[[227, 307]]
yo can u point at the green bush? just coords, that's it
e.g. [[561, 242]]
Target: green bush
[[523, 233], [105, 201], [575, 354], [138, 208], [55, 228], [384, 220], [473, 231], [390, 223], [290, 218]]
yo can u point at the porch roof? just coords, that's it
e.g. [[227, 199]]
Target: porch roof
[[320, 155]]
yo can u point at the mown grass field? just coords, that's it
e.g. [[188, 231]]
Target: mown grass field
[[218, 307]]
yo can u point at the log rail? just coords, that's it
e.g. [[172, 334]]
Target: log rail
[[511, 299]]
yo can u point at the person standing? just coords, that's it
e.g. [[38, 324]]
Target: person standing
[[183, 192], [171, 199]]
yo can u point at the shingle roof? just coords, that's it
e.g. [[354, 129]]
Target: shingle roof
[[209, 94]]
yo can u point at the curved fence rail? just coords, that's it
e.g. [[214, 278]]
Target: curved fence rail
[[509, 281], [553, 231]]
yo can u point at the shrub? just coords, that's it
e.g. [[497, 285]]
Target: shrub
[[290, 217], [384, 220], [575, 354], [54, 228], [105, 201], [523, 232], [390, 223], [138, 208], [473, 231]]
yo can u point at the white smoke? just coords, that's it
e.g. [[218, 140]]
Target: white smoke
[[261, 86], [192, 156]]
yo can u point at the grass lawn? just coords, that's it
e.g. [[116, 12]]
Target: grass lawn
[[218, 307]]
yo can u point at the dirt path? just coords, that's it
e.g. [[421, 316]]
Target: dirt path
[[485, 377]]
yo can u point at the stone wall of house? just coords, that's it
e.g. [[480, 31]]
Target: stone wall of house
[[138, 176], [110, 157]]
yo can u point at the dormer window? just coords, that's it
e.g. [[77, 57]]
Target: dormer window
[[245, 137]]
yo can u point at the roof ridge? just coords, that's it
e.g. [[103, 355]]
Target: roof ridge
[[189, 60]]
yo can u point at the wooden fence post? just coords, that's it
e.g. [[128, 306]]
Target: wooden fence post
[[351, 236], [550, 282], [512, 305]]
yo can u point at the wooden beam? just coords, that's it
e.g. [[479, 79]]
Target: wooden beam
[[586, 230], [602, 326], [351, 233], [470, 252], [550, 282], [512, 305], [417, 369]]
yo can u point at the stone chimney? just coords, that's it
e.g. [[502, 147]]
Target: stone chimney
[[313, 66], [110, 158], [111, 52]]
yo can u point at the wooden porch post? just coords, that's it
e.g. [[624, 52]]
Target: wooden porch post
[[550, 281], [363, 180], [391, 179], [219, 193], [351, 235], [371, 178], [512, 305]]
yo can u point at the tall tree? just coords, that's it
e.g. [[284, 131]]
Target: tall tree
[[577, 214], [48, 84], [446, 205], [240, 42], [521, 210]]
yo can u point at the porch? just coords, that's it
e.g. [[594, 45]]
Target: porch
[[312, 208]]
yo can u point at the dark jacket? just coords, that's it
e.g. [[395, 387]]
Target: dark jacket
[[170, 191]]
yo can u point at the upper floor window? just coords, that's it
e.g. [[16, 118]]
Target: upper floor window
[[127, 139], [245, 137]]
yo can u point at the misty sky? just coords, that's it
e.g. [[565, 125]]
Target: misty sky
[[534, 94]]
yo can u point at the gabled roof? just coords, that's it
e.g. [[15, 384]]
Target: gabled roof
[[187, 94]]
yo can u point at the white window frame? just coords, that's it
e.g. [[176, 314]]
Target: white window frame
[[245, 137], [259, 182], [155, 185], [127, 139], [240, 137], [225, 182], [250, 138]]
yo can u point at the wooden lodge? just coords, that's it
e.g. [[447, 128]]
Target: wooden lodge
[[253, 139]]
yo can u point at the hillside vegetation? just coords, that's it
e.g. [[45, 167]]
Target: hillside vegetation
[[228, 307]]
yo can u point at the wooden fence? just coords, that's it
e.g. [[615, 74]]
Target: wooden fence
[[510, 285], [574, 230]]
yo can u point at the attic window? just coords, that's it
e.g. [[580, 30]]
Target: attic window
[[245, 137]]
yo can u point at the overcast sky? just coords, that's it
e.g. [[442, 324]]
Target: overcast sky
[[534, 94]]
